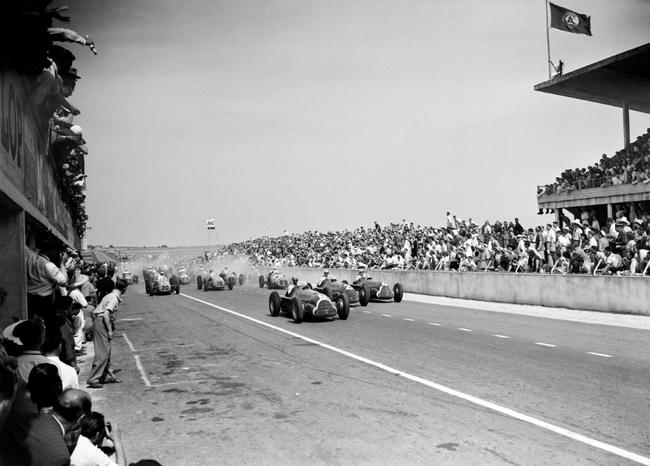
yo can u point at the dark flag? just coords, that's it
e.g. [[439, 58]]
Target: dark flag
[[569, 21]]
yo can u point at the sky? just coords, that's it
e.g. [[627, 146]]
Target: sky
[[323, 115]]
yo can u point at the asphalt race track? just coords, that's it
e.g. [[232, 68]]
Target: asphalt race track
[[213, 378]]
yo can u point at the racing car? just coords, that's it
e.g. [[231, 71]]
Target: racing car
[[356, 296], [225, 274], [274, 281], [379, 291], [183, 276], [303, 300], [213, 281], [129, 277], [158, 283]]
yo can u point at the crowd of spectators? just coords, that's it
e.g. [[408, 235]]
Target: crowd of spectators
[[581, 245], [46, 416], [30, 45], [628, 166]]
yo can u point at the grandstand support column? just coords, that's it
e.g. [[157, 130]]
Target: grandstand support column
[[12, 265], [626, 124], [558, 216], [610, 211]]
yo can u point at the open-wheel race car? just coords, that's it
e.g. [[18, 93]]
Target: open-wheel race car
[[183, 276], [158, 283], [213, 281], [129, 278], [274, 281], [226, 275], [302, 300], [380, 291], [356, 296]]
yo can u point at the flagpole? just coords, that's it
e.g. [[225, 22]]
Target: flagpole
[[548, 41]]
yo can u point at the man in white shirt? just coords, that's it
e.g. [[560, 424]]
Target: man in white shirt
[[43, 276], [68, 374]]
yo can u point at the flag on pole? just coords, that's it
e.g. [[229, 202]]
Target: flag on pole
[[569, 21]]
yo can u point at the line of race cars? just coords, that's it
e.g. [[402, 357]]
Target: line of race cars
[[328, 298]]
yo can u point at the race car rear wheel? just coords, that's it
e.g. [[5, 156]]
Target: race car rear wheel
[[297, 310], [178, 289], [199, 282], [261, 280], [364, 295], [398, 292], [343, 306], [230, 285], [274, 304], [241, 279]]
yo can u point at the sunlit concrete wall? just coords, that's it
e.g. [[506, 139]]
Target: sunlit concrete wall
[[585, 292]]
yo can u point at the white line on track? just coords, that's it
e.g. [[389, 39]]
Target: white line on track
[[463, 329], [387, 315], [602, 355], [449, 391], [545, 344], [410, 320], [367, 312], [141, 369], [137, 361], [128, 342], [501, 336], [434, 324], [130, 320]]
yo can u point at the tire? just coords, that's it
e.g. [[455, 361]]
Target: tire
[[241, 279], [199, 282], [398, 292], [327, 291], [230, 285], [364, 295], [261, 280], [343, 306], [274, 304], [178, 289], [297, 310]]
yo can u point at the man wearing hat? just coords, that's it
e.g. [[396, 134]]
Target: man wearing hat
[[576, 235], [324, 277]]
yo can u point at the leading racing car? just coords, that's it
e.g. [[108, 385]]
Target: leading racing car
[[302, 300], [379, 291]]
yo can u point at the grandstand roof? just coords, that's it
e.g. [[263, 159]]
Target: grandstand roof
[[612, 81]]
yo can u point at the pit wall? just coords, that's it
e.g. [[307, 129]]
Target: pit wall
[[629, 295]]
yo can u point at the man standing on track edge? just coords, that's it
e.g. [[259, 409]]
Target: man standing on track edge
[[103, 325]]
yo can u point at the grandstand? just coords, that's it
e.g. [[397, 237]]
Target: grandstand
[[620, 81]]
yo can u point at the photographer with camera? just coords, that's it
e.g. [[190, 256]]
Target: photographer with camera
[[94, 429]]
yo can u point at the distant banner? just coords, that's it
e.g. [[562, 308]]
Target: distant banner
[[569, 21], [211, 224]]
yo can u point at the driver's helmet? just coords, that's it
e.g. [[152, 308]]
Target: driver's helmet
[[326, 272], [294, 280]]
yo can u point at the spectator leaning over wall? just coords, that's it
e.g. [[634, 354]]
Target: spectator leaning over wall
[[44, 277]]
